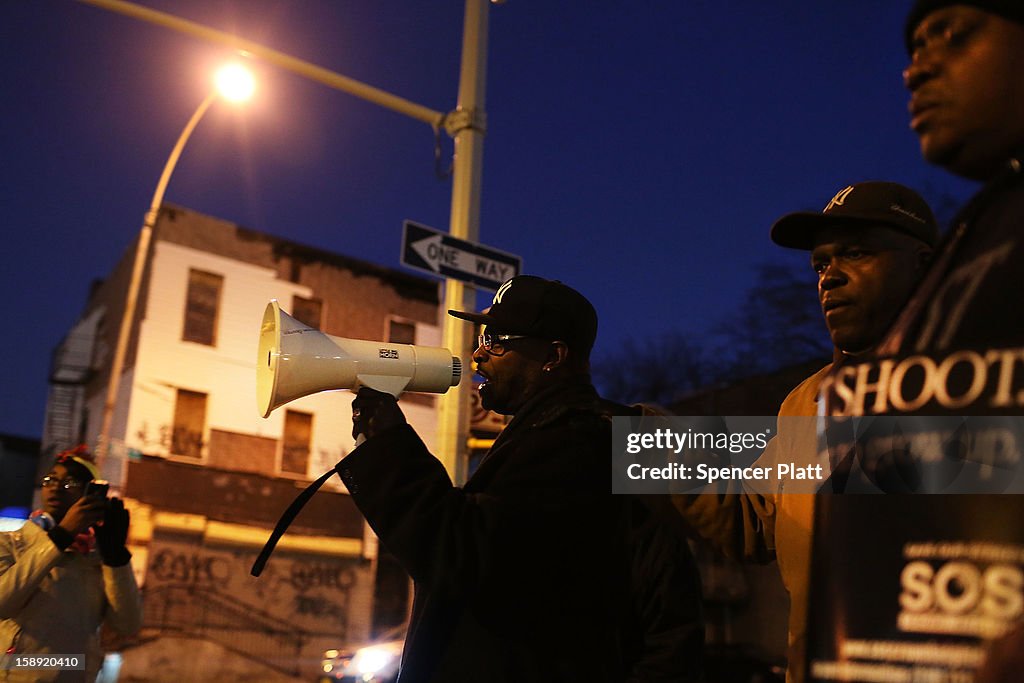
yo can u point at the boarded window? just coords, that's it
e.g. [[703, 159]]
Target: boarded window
[[307, 311], [189, 420], [242, 452], [401, 332], [298, 430], [201, 305]]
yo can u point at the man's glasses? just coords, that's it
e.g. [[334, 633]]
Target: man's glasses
[[494, 344], [67, 483]]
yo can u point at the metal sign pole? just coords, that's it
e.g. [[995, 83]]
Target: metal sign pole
[[467, 125]]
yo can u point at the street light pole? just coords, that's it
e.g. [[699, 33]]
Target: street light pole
[[138, 267], [467, 125]]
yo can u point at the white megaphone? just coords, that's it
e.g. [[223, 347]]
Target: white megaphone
[[295, 360]]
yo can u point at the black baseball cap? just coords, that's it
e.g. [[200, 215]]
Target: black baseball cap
[[1008, 9], [870, 203], [536, 307]]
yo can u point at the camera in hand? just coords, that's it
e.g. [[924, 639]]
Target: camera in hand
[[97, 487]]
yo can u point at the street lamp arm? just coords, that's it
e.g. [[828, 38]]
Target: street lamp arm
[[311, 71], [172, 160]]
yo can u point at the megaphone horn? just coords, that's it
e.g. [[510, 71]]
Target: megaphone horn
[[295, 360]]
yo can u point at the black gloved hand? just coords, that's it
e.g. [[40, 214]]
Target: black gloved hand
[[375, 412], [112, 534]]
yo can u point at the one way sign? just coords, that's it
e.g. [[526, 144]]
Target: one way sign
[[439, 253]]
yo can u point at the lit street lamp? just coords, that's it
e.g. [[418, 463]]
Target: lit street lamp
[[466, 124], [234, 83]]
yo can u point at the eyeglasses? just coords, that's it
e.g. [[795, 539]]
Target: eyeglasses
[[67, 483], [494, 344]]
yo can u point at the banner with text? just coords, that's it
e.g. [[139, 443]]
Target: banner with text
[[907, 589]]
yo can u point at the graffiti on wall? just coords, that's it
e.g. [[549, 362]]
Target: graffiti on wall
[[315, 595], [177, 439], [173, 566], [149, 437]]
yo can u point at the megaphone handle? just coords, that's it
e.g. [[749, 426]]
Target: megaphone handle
[[290, 514], [285, 521]]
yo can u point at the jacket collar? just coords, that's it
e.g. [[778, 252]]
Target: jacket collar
[[552, 402], [1011, 174], [548, 405]]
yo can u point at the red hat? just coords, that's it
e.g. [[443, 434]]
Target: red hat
[[80, 455]]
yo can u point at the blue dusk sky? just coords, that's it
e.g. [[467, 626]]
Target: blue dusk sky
[[637, 150]]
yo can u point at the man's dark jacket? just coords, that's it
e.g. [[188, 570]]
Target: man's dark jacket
[[957, 346], [533, 571]]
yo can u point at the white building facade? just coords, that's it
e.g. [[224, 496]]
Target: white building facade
[[205, 475]]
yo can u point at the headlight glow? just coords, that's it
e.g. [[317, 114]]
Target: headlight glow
[[370, 660]]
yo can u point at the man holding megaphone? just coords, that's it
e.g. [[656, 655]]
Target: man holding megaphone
[[532, 571]]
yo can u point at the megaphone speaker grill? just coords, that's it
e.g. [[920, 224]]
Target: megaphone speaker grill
[[294, 360]]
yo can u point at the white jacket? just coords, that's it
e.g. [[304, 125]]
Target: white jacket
[[53, 602]]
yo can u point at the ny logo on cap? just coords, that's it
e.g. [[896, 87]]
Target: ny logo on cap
[[839, 198], [501, 292]]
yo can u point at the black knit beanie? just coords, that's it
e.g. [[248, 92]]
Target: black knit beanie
[[1008, 9]]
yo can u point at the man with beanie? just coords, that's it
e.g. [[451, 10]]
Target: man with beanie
[[533, 571], [967, 109], [956, 350], [64, 574], [869, 247]]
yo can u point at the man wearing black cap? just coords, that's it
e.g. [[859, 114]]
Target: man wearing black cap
[[957, 348], [967, 109], [869, 247], [532, 571]]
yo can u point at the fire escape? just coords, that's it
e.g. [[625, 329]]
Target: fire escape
[[70, 371]]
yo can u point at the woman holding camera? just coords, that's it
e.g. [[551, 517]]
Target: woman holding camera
[[63, 575]]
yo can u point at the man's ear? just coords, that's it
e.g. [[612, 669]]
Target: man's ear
[[558, 356]]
